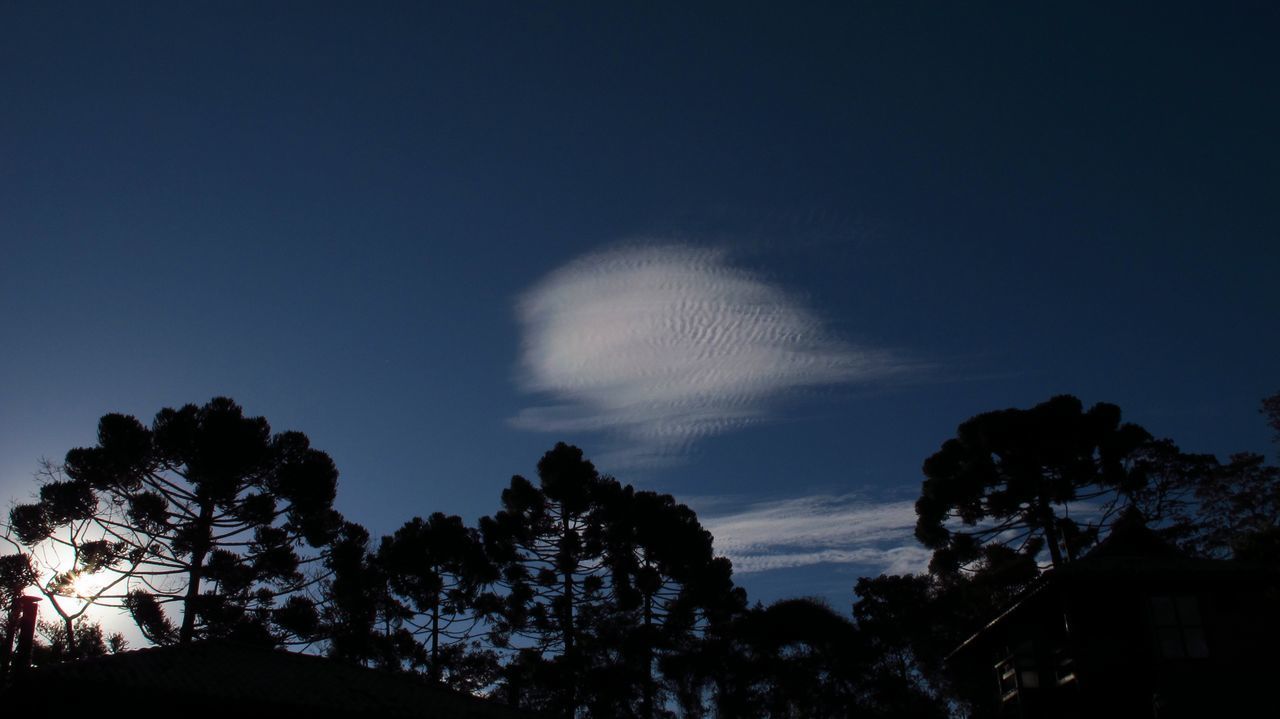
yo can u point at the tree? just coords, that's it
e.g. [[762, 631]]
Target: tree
[[1209, 508], [1004, 489], [1228, 510], [668, 590], [205, 514], [613, 596], [1013, 485], [911, 623], [16, 574], [799, 658], [438, 572], [548, 543], [85, 639], [361, 620], [901, 616], [66, 568], [1271, 410]]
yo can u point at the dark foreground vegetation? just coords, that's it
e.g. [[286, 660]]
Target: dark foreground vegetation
[[582, 596]]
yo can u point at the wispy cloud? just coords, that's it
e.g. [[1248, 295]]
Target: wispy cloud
[[819, 529], [662, 345]]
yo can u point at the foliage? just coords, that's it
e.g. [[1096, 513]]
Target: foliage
[[606, 589], [16, 574], [912, 622], [1003, 490], [203, 514], [1015, 484], [798, 657], [438, 575], [358, 617], [583, 597], [1238, 507], [549, 546], [668, 591], [1271, 410], [81, 640]]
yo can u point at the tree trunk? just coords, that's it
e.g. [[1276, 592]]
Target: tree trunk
[[1048, 523], [567, 628], [646, 702], [198, 552], [73, 648], [435, 640]]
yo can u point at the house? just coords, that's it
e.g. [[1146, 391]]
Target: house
[[235, 680], [1133, 629]]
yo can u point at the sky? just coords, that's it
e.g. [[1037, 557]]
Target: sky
[[762, 256]]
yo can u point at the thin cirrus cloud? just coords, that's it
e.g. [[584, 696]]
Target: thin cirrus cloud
[[663, 345], [821, 529]]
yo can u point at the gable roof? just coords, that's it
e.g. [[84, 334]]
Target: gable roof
[[227, 677], [1131, 554]]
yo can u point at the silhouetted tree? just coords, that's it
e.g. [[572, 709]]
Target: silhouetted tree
[[68, 565], [1271, 410], [438, 572], [548, 544], [1257, 537], [1227, 510], [912, 622], [900, 615], [204, 513], [85, 639], [798, 658], [1005, 488], [668, 590], [16, 574], [362, 621], [1016, 484], [1210, 508], [1237, 509], [613, 596]]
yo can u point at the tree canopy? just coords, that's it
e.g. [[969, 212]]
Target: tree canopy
[[1017, 491], [438, 574], [203, 515], [584, 597], [606, 589], [1014, 483]]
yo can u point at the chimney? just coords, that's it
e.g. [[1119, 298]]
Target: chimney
[[26, 636]]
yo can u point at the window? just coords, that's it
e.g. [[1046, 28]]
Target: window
[[1007, 676], [1177, 627], [1016, 673], [1064, 672]]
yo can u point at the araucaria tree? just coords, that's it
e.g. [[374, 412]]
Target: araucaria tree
[[610, 594], [548, 543], [205, 522], [1014, 484], [669, 592], [438, 576]]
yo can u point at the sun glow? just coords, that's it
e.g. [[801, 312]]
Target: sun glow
[[88, 584], [62, 578]]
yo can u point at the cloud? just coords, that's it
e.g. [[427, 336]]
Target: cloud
[[820, 529], [662, 345]]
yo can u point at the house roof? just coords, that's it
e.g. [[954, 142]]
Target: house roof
[[1132, 552], [229, 677]]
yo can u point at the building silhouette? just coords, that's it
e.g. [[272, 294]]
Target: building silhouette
[[228, 679], [1134, 629]]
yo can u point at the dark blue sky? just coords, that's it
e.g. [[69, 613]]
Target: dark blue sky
[[377, 225]]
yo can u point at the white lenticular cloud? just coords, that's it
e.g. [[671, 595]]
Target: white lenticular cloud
[[665, 344], [822, 529]]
